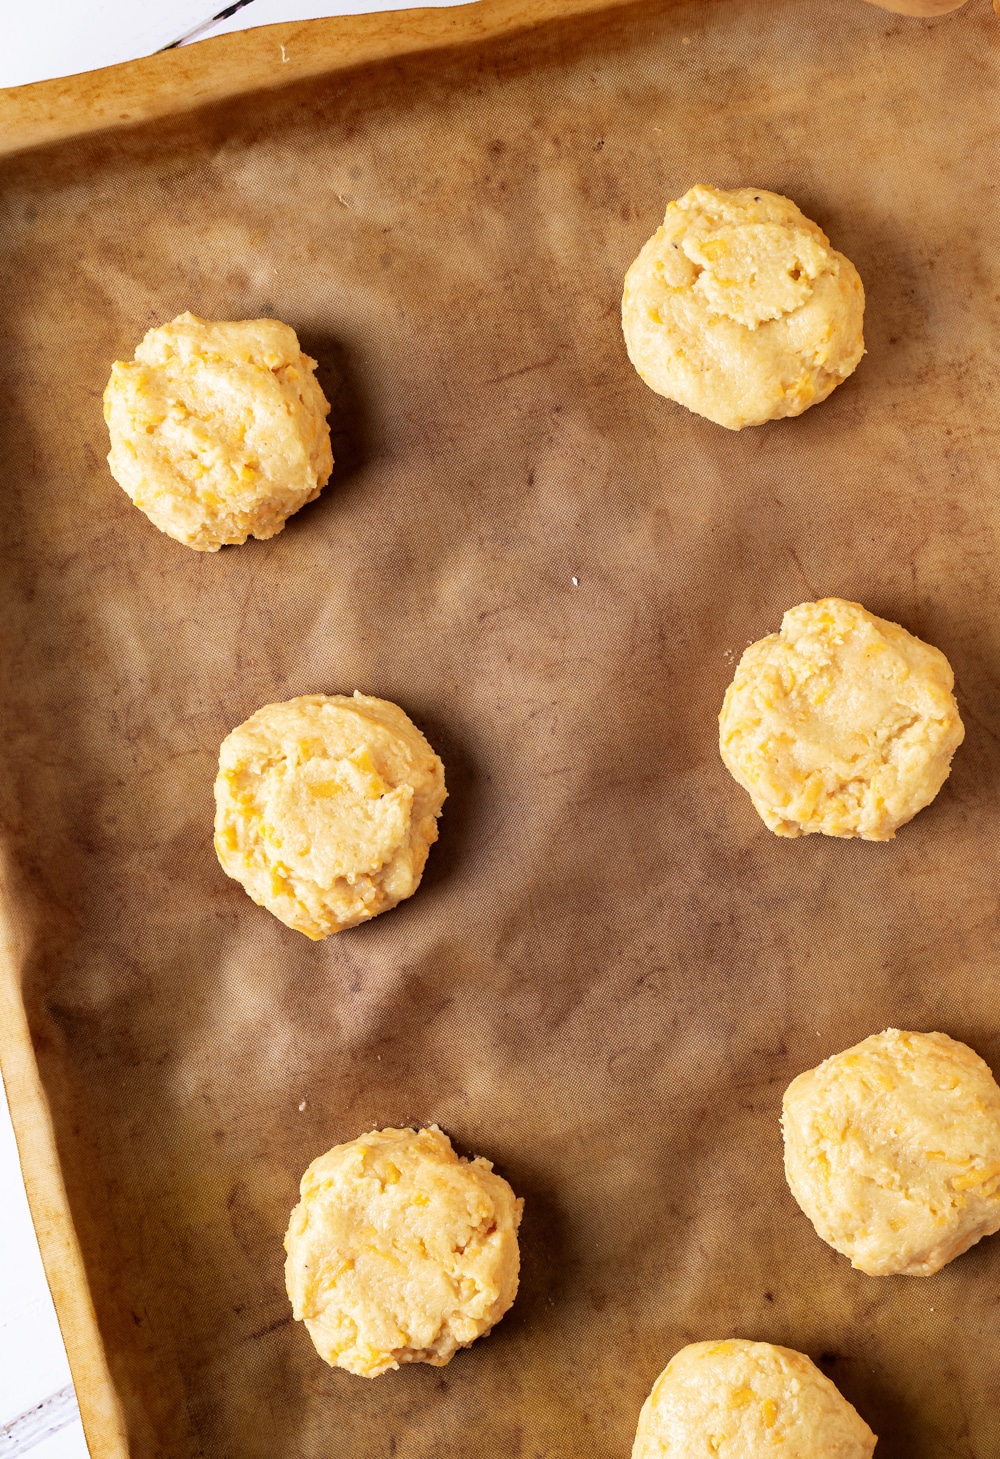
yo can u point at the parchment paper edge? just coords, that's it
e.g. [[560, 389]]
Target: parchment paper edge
[[62, 1259], [268, 57]]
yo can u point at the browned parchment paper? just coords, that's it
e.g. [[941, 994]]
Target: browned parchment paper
[[612, 969]]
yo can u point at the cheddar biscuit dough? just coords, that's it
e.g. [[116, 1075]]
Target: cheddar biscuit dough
[[218, 430], [892, 1149], [741, 1400], [400, 1252], [326, 807], [842, 723], [739, 309]]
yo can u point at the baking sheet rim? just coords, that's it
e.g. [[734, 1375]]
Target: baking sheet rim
[[268, 57]]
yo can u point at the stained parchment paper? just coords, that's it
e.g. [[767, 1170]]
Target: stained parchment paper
[[611, 970]]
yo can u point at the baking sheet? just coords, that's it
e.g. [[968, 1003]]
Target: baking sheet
[[611, 970]]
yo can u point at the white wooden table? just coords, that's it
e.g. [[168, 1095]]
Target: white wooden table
[[38, 1411]]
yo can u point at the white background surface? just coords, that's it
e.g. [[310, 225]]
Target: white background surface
[[42, 39], [33, 1363]]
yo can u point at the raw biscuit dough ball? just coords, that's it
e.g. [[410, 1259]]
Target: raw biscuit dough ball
[[739, 308], [218, 430], [738, 1400], [400, 1252], [892, 1150], [326, 807], [842, 723]]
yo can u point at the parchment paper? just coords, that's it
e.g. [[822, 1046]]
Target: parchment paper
[[612, 969]]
